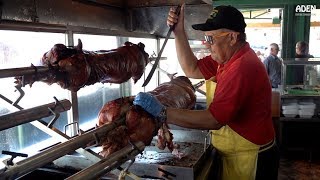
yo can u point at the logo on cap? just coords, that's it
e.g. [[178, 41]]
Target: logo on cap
[[213, 14]]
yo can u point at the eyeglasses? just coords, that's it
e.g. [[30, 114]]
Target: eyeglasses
[[210, 40]]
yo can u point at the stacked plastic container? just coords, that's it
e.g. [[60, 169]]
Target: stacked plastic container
[[306, 109], [290, 109]]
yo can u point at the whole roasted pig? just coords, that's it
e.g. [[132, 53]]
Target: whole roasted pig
[[140, 125], [73, 68]]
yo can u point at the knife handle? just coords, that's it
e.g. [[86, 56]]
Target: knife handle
[[177, 12]]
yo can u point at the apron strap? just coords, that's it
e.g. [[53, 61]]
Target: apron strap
[[267, 146]]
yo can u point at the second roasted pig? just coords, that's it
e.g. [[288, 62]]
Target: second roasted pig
[[73, 68]]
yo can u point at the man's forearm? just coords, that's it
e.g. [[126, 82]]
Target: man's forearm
[[187, 60], [195, 119]]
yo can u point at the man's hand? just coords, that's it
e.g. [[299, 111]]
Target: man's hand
[[149, 103], [173, 19]]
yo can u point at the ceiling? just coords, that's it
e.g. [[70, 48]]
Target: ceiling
[[136, 18], [114, 17], [150, 15]]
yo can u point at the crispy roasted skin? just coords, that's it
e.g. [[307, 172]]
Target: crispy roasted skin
[[140, 125], [73, 68], [178, 93]]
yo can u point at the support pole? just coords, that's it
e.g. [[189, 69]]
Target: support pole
[[4, 73], [25, 166], [111, 162], [35, 113]]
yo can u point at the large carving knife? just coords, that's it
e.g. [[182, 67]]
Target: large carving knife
[[160, 52]]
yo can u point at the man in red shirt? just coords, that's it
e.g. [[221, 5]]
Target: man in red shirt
[[240, 111]]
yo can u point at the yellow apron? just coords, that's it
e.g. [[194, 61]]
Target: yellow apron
[[239, 156]]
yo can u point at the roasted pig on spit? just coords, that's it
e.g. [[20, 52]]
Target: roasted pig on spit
[[140, 125], [73, 68]]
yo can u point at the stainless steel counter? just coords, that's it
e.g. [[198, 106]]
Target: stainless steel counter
[[158, 164], [154, 163]]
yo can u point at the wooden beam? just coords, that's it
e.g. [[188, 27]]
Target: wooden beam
[[274, 25], [262, 25], [207, 1], [264, 2], [315, 24]]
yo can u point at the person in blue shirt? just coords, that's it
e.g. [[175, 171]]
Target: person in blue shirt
[[273, 65]]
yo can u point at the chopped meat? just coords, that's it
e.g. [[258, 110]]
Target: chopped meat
[[165, 138]]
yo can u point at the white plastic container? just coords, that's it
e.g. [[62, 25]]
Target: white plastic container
[[290, 106], [306, 109], [313, 77], [306, 113], [290, 115], [307, 105], [290, 112], [290, 109]]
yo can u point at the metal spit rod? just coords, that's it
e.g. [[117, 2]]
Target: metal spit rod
[[51, 131], [35, 113], [27, 165], [4, 73], [105, 165], [174, 74], [165, 72]]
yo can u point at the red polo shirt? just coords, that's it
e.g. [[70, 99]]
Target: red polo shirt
[[242, 98]]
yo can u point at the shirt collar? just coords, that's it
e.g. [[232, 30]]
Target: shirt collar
[[236, 56], [274, 57]]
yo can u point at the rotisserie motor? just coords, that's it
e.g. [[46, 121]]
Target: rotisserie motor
[[73, 68], [140, 125]]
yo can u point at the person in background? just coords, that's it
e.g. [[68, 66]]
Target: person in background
[[302, 54], [273, 65], [302, 50], [240, 107], [260, 55]]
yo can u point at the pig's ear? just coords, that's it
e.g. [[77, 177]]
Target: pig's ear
[[79, 46]]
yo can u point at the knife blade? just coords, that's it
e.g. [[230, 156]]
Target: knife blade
[[160, 52]]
